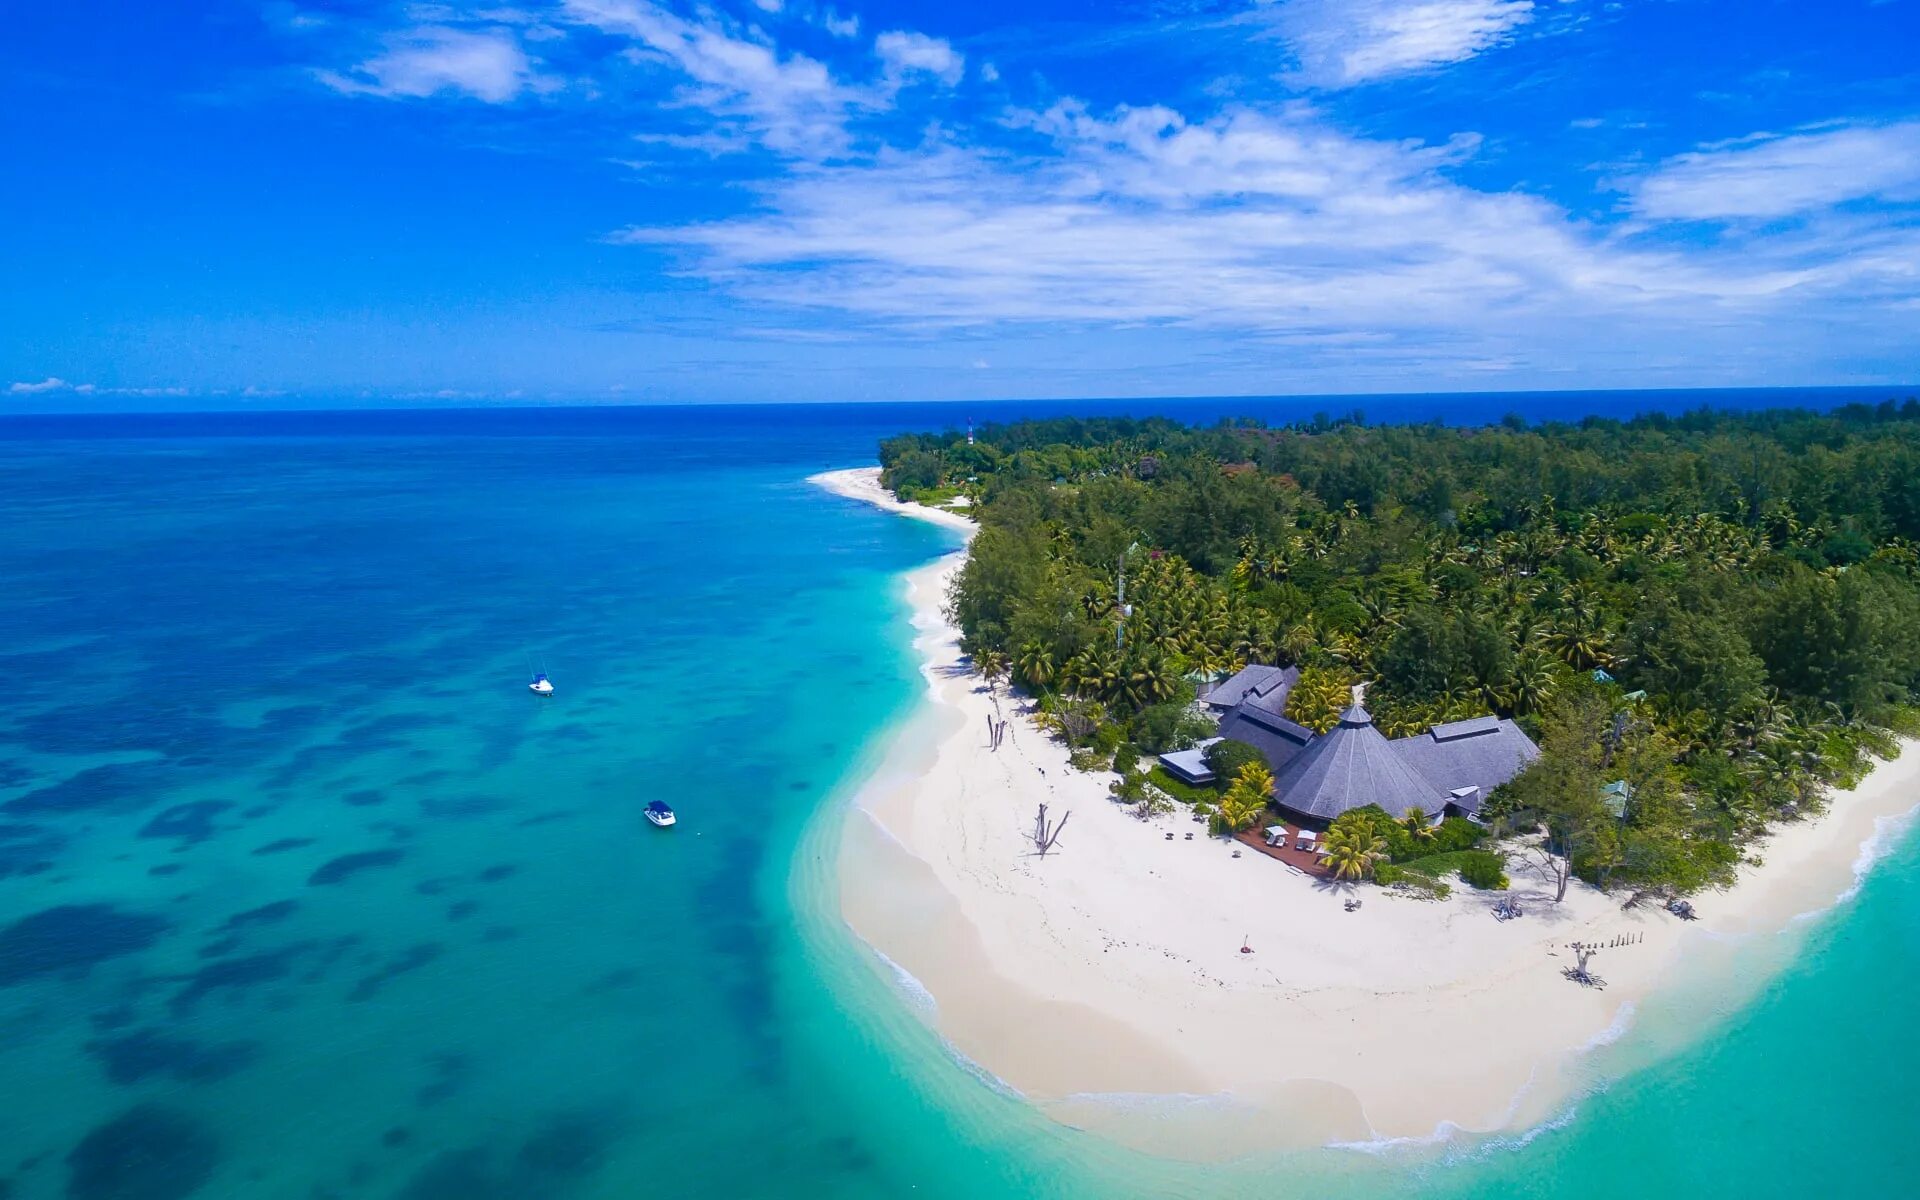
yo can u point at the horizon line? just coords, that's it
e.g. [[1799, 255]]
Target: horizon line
[[331, 404]]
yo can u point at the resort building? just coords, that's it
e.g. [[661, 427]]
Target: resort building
[[1446, 771], [1253, 681]]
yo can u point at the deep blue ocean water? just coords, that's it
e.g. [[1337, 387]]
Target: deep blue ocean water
[[303, 895]]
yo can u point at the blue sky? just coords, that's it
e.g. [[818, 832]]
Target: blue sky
[[233, 202]]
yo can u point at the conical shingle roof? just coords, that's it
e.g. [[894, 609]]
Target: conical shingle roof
[[1351, 766]]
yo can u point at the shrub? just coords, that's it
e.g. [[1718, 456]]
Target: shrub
[[1171, 726], [1388, 875], [1483, 869], [1456, 833], [1227, 756], [1088, 760], [1180, 790]]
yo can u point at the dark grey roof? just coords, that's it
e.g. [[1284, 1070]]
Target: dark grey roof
[[1277, 739], [1190, 765], [1351, 766], [1467, 728], [1254, 680], [1485, 756]]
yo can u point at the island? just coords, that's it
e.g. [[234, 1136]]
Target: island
[[1343, 783]]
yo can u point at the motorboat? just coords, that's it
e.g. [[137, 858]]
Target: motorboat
[[541, 685], [659, 813]]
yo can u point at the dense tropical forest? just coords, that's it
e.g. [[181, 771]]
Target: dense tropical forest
[[1706, 621]]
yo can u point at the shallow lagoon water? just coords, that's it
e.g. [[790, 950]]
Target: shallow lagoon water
[[302, 894]]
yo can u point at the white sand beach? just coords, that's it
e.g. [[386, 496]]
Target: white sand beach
[[1105, 982]]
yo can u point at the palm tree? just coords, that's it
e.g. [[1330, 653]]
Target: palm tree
[[1319, 698], [1418, 825], [1533, 681], [1353, 850], [1094, 672], [1034, 665], [1582, 642], [1300, 640], [993, 667], [1247, 798], [1146, 679]]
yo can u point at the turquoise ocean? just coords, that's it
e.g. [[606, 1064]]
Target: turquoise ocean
[[303, 894]]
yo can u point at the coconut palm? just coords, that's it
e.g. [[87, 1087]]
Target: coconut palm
[[1034, 665], [1247, 798], [1301, 640], [1147, 679], [1581, 642], [1319, 697], [1353, 850], [1533, 681], [1418, 825], [992, 665]]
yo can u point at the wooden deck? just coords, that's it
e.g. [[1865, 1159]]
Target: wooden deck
[[1305, 860]]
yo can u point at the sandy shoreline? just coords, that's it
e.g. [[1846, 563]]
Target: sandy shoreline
[[1105, 982]]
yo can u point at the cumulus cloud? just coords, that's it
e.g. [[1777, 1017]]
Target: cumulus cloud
[[1343, 42], [907, 54], [486, 64], [1768, 176]]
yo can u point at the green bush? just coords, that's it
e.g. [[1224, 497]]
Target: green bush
[[1180, 790], [1388, 875], [1450, 836], [1088, 759], [1174, 725], [1456, 833], [1482, 869], [1227, 756]]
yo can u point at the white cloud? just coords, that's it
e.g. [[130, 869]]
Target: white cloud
[[1343, 42], [989, 73], [54, 384], [49, 384], [1767, 176], [792, 102], [847, 26], [1249, 222], [906, 53], [427, 60], [1271, 230]]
